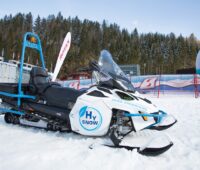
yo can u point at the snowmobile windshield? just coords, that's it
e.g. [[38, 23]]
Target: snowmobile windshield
[[110, 70]]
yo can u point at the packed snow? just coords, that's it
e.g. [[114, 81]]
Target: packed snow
[[31, 148]]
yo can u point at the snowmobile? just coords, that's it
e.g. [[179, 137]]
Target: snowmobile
[[110, 108]]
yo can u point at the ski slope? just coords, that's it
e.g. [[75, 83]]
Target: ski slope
[[29, 148]]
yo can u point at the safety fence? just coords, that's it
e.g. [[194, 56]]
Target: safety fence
[[156, 85]]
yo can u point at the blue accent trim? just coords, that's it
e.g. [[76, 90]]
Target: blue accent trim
[[11, 111], [140, 115], [154, 114]]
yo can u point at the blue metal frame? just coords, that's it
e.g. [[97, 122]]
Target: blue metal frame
[[29, 44], [26, 43], [156, 115], [17, 95], [11, 111]]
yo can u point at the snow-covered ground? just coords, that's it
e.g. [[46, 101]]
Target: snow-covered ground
[[29, 148]]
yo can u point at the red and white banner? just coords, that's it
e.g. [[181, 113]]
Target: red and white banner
[[75, 85], [148, 83]]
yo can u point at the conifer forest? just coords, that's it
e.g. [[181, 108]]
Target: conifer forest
[[157, 53]]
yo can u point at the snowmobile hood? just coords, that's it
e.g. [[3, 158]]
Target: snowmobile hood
[[130, 102]]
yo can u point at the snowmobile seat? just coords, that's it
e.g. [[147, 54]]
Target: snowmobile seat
[[52, 92], [62, 96], [40, 81]]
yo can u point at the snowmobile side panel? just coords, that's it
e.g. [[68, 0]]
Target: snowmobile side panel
[[49, 111], [38, 124], [90, 116]]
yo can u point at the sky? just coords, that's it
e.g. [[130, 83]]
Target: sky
[[163, 16]]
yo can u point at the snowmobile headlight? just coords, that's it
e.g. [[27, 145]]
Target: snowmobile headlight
[[145, 118]]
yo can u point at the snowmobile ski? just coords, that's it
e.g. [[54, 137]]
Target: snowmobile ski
[[146, 151], [143, 147]]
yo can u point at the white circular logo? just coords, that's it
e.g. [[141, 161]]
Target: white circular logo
[[90, 118]]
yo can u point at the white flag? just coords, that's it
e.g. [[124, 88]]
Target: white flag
[[62, 54]]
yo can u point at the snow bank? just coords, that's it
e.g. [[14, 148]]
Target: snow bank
[[30, 148]]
